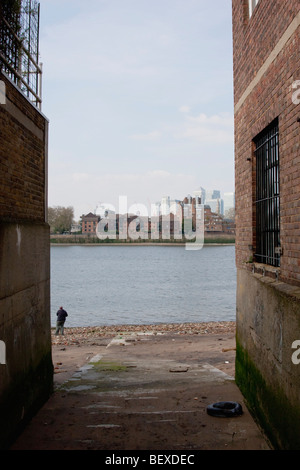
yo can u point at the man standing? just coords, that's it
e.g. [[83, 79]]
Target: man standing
[[61, 318]]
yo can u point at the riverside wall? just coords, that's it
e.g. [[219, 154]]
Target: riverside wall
[[266, 72], [26, 371]]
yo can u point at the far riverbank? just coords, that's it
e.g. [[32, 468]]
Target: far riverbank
[[136, 244], [81, 240]]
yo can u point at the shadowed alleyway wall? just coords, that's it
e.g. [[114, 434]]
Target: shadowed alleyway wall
[[266, 48], [27, 374]]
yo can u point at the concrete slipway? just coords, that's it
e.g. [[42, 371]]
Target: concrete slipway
[[141, 391]]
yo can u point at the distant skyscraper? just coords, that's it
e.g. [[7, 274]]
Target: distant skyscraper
[[229, 203], [214, 204], [155, 209], [213, 194], [214, 201], [165, 205], [200, 193]]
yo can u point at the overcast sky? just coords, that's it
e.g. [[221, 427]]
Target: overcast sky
[[139, 96]]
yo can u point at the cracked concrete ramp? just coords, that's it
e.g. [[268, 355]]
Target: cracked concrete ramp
[[147, 393]]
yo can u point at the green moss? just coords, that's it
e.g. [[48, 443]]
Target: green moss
[[95, 379], [269, 406]]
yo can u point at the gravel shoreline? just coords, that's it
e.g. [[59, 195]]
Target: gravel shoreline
[[83, 335]]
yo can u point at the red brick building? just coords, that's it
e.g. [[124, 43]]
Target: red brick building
[[89, 223], [266, 50]]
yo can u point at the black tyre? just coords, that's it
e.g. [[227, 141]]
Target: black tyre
[[225, 409]]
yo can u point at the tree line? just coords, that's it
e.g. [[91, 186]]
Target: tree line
[[60, 219]]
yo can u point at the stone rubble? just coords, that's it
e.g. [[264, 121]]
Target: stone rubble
[[83, 335]]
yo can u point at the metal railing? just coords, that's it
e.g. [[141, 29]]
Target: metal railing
[[19, 50]]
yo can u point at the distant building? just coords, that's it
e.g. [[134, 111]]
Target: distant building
[[212, 194], [200, 193], [229, 205], [213, 199], [89, 223], [213, 219], [165, 205], [213, 222], [155, 209], [75, 228], [214, 204]]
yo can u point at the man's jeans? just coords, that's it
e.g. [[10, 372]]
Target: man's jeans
[[59, 326]]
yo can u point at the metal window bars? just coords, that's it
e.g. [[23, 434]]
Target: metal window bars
[[19, 46], [268, 196]]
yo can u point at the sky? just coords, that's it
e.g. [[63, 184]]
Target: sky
[[139, 97]]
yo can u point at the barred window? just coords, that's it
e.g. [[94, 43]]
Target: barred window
[[267, 196]]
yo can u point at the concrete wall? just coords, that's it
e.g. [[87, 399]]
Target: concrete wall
[[268, 324], [26, 378], [266, 66]]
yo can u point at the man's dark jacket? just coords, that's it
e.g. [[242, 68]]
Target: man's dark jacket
[[61, 315]]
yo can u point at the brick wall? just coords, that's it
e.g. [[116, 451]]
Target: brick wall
[[26, 379], [23, 135], [266, 64], [266, 51]]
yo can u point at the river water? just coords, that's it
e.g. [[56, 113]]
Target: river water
[[111, 285]]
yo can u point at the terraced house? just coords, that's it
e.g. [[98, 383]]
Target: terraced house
[[266, 52]]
